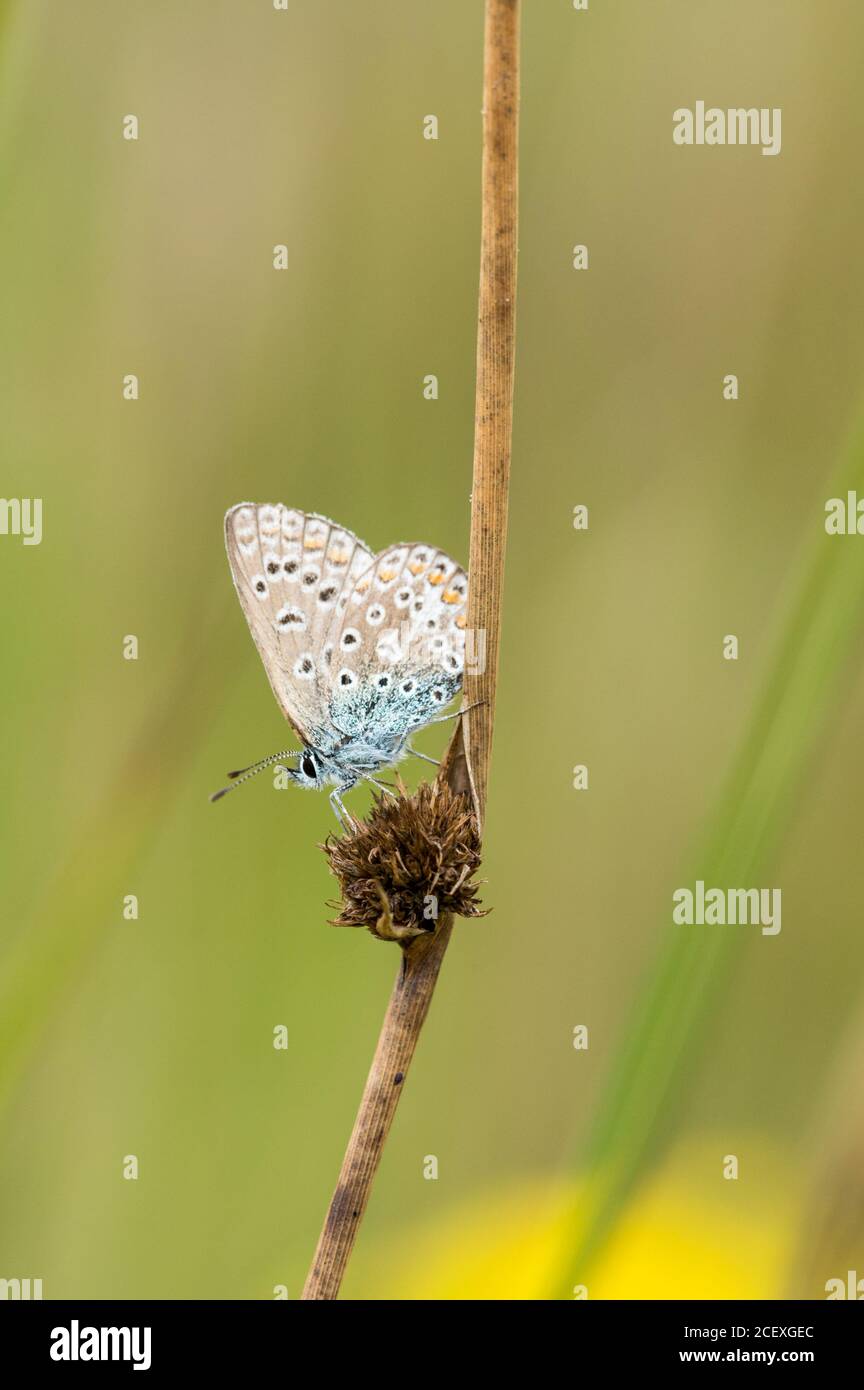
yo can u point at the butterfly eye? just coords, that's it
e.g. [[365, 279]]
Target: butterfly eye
[[308, 767]]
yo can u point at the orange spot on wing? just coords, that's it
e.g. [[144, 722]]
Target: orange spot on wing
[[386, 575], [436, 577], [451, 596], [313, 542]]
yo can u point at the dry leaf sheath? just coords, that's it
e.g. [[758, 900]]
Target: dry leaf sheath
[[463, 778]]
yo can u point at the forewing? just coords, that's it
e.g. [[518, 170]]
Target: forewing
[[397, 641], [290, 569]]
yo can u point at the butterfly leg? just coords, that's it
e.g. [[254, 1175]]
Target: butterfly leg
[[382, 787], [456, 713], [424, 756], [342, 815]]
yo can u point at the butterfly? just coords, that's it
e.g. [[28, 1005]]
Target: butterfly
[[361, 650]]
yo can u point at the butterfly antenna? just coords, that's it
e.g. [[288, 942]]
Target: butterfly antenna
[[244, 773]]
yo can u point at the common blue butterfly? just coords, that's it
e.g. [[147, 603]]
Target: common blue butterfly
[[361, 650]]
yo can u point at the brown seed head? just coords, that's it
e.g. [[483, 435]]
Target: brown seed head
[[411, 862]]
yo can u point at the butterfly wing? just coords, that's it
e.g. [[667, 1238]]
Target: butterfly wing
[[397, 643], [290, 569]]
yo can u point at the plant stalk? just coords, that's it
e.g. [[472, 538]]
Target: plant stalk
[[466, 763]]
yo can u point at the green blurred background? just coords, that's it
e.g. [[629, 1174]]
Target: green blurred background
[[154, 1037]]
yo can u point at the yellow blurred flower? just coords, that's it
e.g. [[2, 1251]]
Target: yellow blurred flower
[[687, 1233]]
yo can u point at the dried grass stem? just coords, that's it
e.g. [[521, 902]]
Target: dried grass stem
[[465, 768]]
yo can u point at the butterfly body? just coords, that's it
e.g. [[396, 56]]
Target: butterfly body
[[361, 650]]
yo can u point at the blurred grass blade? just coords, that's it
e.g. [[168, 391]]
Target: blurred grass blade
[[660, 1052], [75, 909]]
